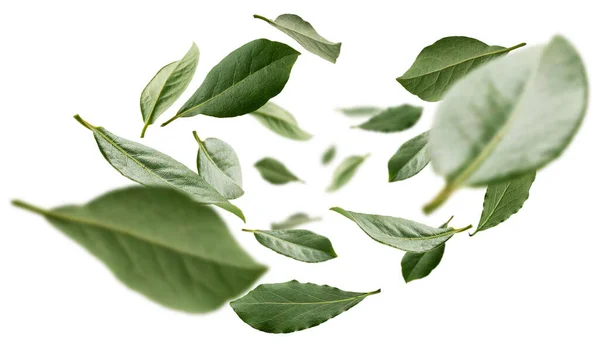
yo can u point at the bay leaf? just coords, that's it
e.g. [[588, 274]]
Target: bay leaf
[[250, 75], [393, 119], [504, 199], [275, 172], [441, 64], [218, 164], [167, 86], [345, 171], [304, 33], [410, 158], [162, 244], [361, 110], [328, 155], [150, 167], [293, 221], [510, 117], [280, 121], [400, 233], [419, 265], [293, 306], [301, 245]]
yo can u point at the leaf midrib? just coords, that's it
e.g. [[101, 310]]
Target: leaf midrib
[[162, 88], [203, 148], [362, 296], [267, 233], [495, 207]]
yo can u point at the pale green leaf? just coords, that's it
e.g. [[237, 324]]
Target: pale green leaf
[[301, 245], [328, 155], [410, 158], [394, 119], [275, 172], [294, 221], [345, 171], [280, 121]]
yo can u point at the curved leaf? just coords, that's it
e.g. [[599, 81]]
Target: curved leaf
[[419, 265], [167, 86], [441, 64], [365, 110], [302, 32], [280, 121], [301, 245], [149, 167], [328, 155], [293, 306], [250, 75], [394, 119], [162, 244], [294, 221], [521, 113], [275, 172], [410, 158], [218, 164], [345, 171]]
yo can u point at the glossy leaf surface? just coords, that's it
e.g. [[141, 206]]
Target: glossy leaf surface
[[345, 171], [301, 245], [280, 121], [275, 172], [419, 265], [394, 119], [410, 158], [293, 221]]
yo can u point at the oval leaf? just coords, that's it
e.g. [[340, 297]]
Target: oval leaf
[[294, 221], [410, 158], [521, 113], [441, 64], [301, 245], [394, 119], [345, 171], [502, 200], [150, 167], [167, 86], [275, 172], [280, 121], [328, 155], [162, 244], [293, 306], [360, 111], [302, 32], [250, 75], [419, 265]]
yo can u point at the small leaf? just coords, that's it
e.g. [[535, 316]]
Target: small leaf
[[508, 118], [167, 86], [302, 32], [360, 111], [149, 167], [394, 119], [441, 64], [294, 221], [502, 200], [275, 172], [410, 158], [293, 306], [345, 171], [250, 75], [301, 245], [280, 121], [162, 244], [400, 233], [219, 165], [419, 265], [328, 155]]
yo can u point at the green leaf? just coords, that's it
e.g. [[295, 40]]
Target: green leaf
[[293, 306], [219, 165], [360, 111], [400, 233], [293, 221], [410, 158], [149, 167], [275, 172], [301, 245], [328, 155], [508, 118], [419, 265], [250, 75], [504, 199], [280, 121], [345, 171], [441, 64], [394, 119], [302, 32], [167, 86], [162, 244]]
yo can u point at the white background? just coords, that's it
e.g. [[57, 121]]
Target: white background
[[531, 280]]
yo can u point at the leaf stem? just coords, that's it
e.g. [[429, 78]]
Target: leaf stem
[[28, 207], [439, 199], [463, 229], [373, 292], [262, 18], [249, 230], [83, 122], [170, 120], [144, 130], [516, 46], [198, 140]]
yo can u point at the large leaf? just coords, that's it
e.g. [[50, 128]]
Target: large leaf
[[441, 64], [243, 81], [345, 171], [293, 306], [275, 172], [218, 164], [509, 117], [294, 221], [400, 233], [162, 244], [280, 121], [149, 167], [361, 110], [504, 199], [166, 86], [410, 158], [301, 245], [394, 119], [328, 155], [301, 31]]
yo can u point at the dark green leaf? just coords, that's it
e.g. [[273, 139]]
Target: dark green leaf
[[394, 119], [410, 158], [328, 155], [162, 244], [294, 221], [441, 64], [360, 111], [275, 172], [280, 121], [419, 265], [301, 245], [293, 306], [301, 31], [345, 171]]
